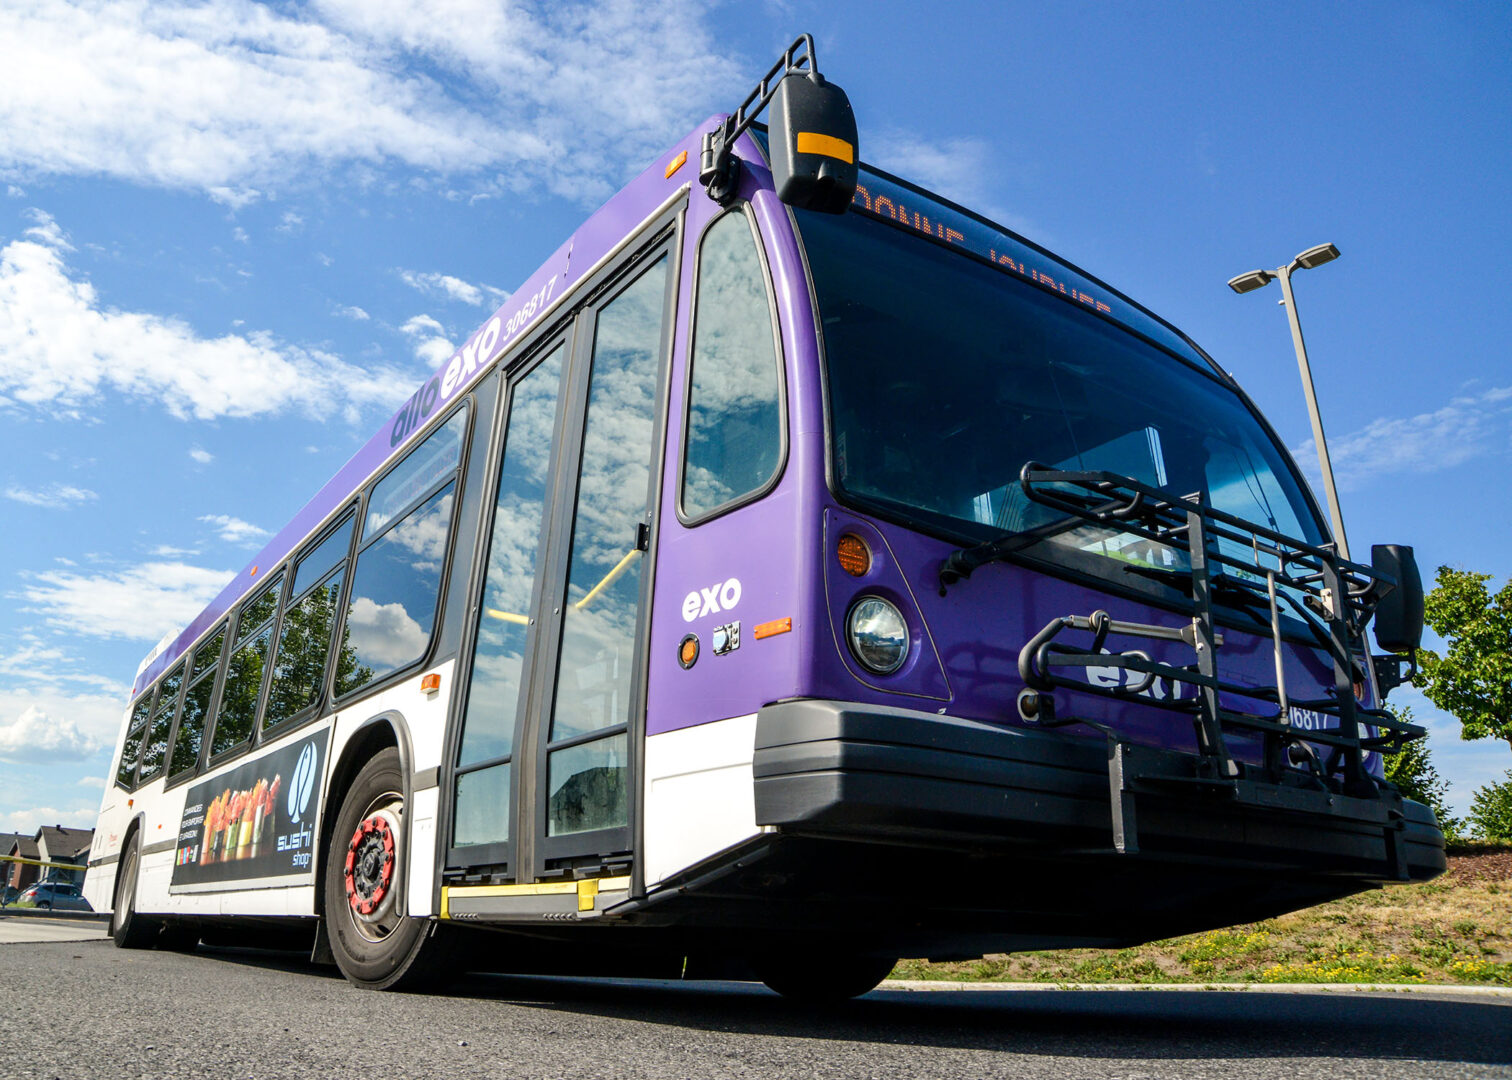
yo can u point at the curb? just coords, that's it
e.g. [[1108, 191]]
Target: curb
[[13, 912], [929, 986]]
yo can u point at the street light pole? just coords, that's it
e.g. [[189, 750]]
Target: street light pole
[[1255, 279], [1324, 463]]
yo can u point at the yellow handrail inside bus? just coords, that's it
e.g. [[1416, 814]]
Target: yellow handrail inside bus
[[608, 580], [619, 568]]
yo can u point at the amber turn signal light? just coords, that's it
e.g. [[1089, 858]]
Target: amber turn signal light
[[854, 555]]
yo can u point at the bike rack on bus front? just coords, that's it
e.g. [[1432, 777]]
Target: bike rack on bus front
[[1332, 596]]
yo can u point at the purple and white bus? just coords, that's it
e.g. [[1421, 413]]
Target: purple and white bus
[[799, 571]]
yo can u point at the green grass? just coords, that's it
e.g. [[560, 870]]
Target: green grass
[[1456, 929]]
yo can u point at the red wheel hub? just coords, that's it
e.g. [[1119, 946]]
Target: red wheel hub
[[369, 865]]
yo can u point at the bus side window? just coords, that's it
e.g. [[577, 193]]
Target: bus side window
[[396, 580], [135, 729], [304, 639], [734, 429], [244, 674], [191, 730], [156, 747]]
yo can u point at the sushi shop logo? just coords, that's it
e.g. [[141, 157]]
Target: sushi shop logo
[[303, 784], [298, 843]]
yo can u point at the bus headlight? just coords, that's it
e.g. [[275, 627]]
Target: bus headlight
[[877, 634]]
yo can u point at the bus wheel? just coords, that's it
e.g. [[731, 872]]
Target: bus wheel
[[129, 929], [376, 944], [821, 976]]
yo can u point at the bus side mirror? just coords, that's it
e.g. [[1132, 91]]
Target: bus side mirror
[[813, 144], [1399, 613]]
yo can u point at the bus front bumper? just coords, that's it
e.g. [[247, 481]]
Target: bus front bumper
[[849, 772]]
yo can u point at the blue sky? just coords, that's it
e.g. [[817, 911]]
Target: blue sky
[[233, 236]]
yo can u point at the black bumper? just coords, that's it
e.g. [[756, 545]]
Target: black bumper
[[840, 771]]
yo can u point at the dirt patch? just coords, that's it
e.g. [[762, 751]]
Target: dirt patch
[[1481, 862]]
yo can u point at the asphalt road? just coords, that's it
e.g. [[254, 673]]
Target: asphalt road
[[86, 1009]]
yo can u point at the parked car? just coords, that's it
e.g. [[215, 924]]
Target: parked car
[[58, 896]]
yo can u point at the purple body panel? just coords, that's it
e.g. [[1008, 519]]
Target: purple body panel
[[779, 549]]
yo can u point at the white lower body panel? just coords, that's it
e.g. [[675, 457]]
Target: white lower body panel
[[699, 794]]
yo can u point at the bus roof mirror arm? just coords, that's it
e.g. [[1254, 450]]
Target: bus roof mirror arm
[[813, 137]]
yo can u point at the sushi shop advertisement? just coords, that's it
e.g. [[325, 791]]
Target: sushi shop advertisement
[[257, 821]]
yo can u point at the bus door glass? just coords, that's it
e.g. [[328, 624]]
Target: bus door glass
[[542, 768], [584, 787], [485, 762]]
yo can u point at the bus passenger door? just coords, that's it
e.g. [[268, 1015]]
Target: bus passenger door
[[555, 706], [589, 716]]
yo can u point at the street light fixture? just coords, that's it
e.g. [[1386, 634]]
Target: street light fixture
[[1257, 279]]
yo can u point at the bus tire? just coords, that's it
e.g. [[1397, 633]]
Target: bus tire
[[822, 977], [376, 944], [128, 928]]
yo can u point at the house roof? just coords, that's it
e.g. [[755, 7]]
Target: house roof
[[22, 845], [64, 843]]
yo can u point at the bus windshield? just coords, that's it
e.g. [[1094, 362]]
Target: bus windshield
[[947, 374]]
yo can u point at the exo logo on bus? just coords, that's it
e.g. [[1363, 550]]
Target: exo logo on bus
[[711, 601]]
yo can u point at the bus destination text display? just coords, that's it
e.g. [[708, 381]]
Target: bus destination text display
[[256, 821]]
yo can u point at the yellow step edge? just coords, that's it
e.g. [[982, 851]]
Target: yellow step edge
[[586, 890]]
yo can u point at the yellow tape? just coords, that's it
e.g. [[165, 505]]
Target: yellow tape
[[812, 142], [507, 616], [38, 862]]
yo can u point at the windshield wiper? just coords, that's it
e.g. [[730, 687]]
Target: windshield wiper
[[959, 564]]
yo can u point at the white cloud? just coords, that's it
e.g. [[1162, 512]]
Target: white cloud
[[141, 604], [290, 223], [429, 339], [35, 736], [53, 497], [61, 347], [230, 97], [239, 234], [353, 312], [451, 288], [30, 820], [1468, 427], [201, 455], [93, 782], [384, 633], [960, 169], [46, 230], [234, 530], [168, 551]]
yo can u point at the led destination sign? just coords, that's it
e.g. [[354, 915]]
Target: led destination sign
[[883, 198]]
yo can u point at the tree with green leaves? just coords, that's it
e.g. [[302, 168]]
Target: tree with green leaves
[[1472, 681], [1491, 811], [1411, 770]]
